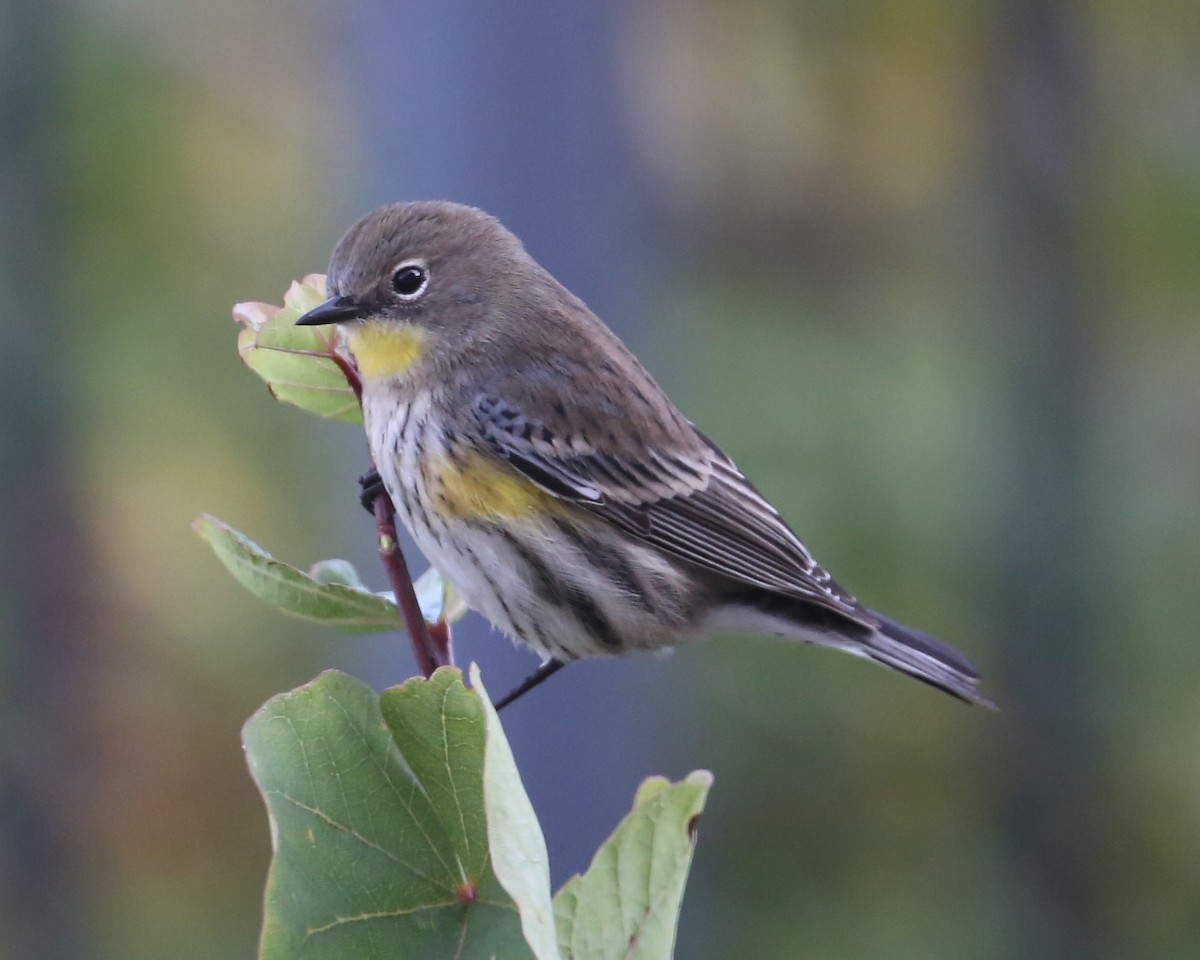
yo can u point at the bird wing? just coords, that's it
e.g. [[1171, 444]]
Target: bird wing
[[691, 502]]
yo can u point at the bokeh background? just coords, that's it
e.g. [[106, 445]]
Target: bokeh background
[[929, 270]]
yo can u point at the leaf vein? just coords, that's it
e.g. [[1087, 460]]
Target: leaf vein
[[378, 915], [365, 841]]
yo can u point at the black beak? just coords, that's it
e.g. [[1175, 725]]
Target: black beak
[[333, 310]]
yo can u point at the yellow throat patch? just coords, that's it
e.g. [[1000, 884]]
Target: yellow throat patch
[[385, 348]]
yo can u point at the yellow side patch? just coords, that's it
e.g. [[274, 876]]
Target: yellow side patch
[[385, 348], [475, 487]]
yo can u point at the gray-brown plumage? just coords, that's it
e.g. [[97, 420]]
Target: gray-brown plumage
[[544, 472]]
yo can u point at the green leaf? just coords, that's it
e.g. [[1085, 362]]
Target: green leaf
[[378, 823], [336, 571], [331, 593], [400, 828], [627, 904], [303, 366], [438, 599], [517, 845], [346, 608]]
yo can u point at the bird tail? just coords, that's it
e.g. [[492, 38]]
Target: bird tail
[[924, 658], [902, 648]]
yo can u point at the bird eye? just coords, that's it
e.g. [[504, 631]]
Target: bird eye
[[410, 280]]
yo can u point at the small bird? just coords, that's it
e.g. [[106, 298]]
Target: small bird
[[543, 472]]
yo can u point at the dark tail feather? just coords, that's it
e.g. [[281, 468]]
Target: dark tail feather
[[902, 648], [924, 658]]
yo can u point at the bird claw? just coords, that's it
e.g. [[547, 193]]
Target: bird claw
[[371, 485]]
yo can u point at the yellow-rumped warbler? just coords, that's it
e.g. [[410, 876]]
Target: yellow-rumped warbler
[[544, 473]]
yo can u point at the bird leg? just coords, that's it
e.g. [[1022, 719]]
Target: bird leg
[[544, 672]]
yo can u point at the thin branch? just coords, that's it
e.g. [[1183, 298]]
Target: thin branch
[[429, 654], [443, 641], [349, 370]]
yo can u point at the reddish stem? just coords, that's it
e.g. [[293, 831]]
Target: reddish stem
[[440, 634], [429, 655], [349, 370]]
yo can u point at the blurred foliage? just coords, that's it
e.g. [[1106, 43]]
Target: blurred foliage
[[838, 320]]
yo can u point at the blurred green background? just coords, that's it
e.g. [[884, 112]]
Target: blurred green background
[[927, 269]]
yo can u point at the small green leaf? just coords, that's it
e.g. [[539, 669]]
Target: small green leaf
[[343, 607], [301, 365], [438, 599], [378, 827], [627, 904], [336, 571]]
